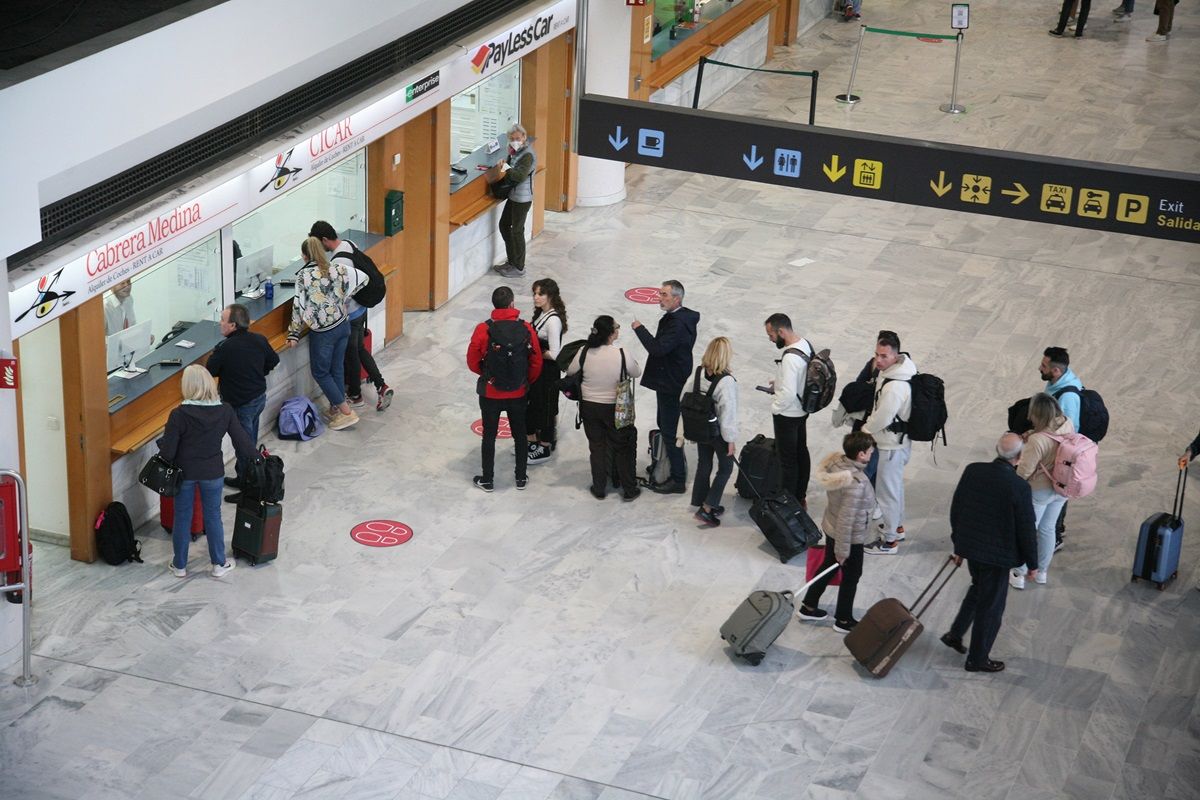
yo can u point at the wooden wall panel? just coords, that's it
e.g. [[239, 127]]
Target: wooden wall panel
[[416, 249], [535, 106], [560, 161], [439, 162], [85, 400]]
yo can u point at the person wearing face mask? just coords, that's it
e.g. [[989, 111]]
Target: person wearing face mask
[[517, 172], [789, 418]]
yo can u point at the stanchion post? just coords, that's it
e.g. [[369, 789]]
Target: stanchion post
[[953, 107], [26, 678], [848, 98], [699, 80], [812, 100]]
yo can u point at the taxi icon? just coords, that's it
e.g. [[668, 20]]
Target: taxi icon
[[1056, 201]]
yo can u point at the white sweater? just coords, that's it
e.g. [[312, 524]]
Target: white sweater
[[893, 399], [549, 329], [725, 398], [602, 372], [790, 375]]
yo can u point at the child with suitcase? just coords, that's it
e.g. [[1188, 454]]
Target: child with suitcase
[[848, 510]]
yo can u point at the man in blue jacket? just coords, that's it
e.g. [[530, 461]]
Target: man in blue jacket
[[1064, 386], [667, 370], [991, 526]]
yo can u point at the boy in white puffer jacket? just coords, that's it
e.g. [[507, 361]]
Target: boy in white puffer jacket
[[847, 520]]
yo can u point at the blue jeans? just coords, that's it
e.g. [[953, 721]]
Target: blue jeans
[[1046, 505], [327, 360], [668, 426], [181, 528], [704, 491], [248, 415]]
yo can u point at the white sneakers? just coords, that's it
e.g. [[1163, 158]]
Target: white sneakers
[[221, 569], [339, 421], [176, 571], [1157, 37], [1016, 580]]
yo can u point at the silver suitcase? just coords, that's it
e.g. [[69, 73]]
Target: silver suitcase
[[757, 622]]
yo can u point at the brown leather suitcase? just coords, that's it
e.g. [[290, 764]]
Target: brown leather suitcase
[[884, 634]]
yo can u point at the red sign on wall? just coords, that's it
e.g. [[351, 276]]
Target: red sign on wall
[[9, 374], [381, 533]]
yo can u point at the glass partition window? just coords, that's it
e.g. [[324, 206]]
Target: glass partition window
[[483, 113], [266, 242], [142, 314], [676, 20]]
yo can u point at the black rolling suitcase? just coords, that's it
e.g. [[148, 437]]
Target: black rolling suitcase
[[784, 523], [759, 463], [256, 531]]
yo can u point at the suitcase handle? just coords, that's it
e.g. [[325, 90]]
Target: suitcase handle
[[1180, 490], [800, 592], [929, 602], [749, 481]]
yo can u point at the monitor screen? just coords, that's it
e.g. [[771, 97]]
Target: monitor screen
[[127, 346], [253, 268]]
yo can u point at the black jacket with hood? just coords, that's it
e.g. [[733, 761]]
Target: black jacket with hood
[[192, 440], [670, 363]]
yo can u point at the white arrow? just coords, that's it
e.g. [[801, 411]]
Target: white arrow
[[619, 141], [754, 160]]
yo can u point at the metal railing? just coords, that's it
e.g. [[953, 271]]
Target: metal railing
[[26, 678]]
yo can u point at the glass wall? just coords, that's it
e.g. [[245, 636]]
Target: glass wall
[[676, 20], [267, 241], [483, 113]]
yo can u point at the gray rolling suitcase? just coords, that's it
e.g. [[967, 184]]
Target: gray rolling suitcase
[[759, 620]]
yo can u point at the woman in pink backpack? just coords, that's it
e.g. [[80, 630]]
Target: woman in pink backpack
[[1037, 462]]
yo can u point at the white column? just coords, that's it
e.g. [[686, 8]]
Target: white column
[[602, 182], [10, 613]]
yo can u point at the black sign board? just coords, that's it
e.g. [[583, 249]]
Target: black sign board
[[1080, 194]]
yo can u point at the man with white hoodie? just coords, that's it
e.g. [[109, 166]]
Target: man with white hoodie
[[893, 404], [790, 419]]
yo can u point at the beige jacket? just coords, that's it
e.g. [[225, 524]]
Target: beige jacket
[[1041, 449], [850, 502]]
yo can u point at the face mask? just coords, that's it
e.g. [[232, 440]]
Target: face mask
[[514, 145]]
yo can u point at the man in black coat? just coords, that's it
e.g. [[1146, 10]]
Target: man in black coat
[[667, 370], [241, 363], [992, 527]]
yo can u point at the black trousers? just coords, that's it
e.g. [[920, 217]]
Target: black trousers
[[791, 443], [512, 228], [982, 609], [705, 488], [851, 571], [1084, 7], [611, 451], [667, 418], [514, 408], [359, 357]]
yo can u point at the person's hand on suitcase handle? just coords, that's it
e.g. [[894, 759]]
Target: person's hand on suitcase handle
[[957, 559]]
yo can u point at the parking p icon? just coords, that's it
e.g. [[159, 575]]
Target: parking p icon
[[1132, 208]]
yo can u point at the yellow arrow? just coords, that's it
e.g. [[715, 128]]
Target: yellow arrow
[[941, 187], [831, 170], [1017, 194]]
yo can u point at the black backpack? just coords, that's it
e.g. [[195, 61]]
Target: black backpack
[[698, 411], [370, 295], [114, 536], [929, 413], [506, 364], [820, 379], [265, 478], [572, 385], [1093, 415]]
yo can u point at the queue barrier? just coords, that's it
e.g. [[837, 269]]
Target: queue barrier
[[814, 74], [950, 108]]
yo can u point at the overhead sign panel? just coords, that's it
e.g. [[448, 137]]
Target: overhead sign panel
[[1080, 194]]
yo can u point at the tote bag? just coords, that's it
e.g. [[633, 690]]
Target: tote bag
[[624, 414]]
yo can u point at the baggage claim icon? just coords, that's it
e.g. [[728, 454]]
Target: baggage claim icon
[[47, 298]]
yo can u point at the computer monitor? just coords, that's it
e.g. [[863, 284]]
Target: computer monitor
[[253, 268], [126, 347]]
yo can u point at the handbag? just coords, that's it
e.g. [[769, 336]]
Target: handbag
[[816, 557], [161, 476], [623, 416]]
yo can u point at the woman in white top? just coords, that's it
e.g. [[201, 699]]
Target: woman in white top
[[541, 415], [1037, 460], [601, 362], [715, 363]]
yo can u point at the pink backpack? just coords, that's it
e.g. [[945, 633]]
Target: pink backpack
[[1074, 465]]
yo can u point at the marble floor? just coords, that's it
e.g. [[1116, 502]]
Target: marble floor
[[542, 645]]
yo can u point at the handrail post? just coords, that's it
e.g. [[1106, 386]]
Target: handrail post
[[848, 98], [26, 678], [812, 99], [699, 80], [953, 107]]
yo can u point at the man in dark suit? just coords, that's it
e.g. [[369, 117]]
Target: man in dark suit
[[667, 370], [992, 527]]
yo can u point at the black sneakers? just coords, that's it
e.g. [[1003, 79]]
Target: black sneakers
[[811, 614], [480, 483], [844, 625]]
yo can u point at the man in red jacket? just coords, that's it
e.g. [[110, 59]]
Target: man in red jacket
[[505, 354]]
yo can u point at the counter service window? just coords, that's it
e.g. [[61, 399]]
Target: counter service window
[[155, 316], [479, 121], [676, 20], [266, 243]]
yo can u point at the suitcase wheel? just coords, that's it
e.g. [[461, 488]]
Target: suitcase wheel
[[754, 660], [253, 561], [197, 535], [1133, 578], [1161, 586]]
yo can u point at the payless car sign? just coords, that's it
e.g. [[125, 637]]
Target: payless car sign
[[496, 53]]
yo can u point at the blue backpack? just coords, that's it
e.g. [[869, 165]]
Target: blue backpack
[[299, 420]]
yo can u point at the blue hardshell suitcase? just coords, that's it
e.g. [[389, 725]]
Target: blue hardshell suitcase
[[1159, 542]]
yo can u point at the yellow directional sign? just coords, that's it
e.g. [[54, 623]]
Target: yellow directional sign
[[1093, 203], [832, 171], [1132, 208], [1018, 194], [941, 187], [976, 189], [1056, 198], [867, 174]]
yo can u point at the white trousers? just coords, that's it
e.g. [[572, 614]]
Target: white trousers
[[889, 488]]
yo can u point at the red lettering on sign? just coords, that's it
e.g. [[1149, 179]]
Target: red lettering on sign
[[643, 294], [381, 533], [330, 138]]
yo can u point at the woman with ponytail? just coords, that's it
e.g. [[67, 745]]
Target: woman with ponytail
[[322, 289], [550, 323], [601, 362]]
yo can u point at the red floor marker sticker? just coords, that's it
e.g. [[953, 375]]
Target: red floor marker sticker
[[381, 533], [502, 431], [643, 294]]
